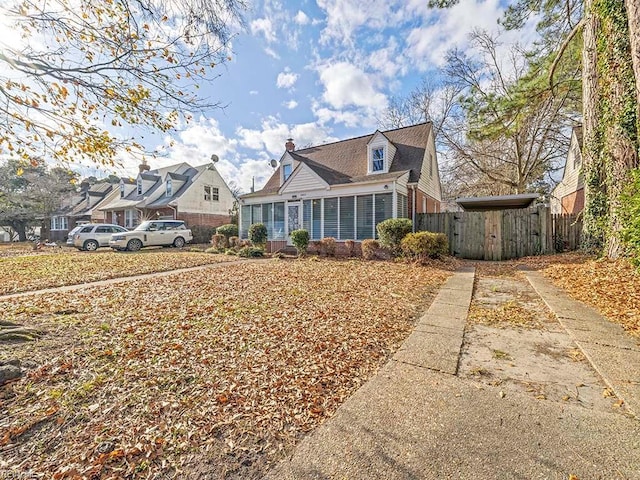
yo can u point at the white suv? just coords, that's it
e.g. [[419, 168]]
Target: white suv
[[153, 233], [94, 235]]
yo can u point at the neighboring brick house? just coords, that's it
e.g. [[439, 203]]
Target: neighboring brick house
[[344, 189], [568, 196], [81, 208], [197, 195]]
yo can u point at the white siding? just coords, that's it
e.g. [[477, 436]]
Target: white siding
[[303, 180], [572, 179], [429, 181], [192, 201]]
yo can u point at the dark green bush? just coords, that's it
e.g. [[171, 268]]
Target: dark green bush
[[258, 234], [251, 252], [629, 213], [300, 239], [392, 231], [229, 230], [201, 233], [370, 249], [421, 246]]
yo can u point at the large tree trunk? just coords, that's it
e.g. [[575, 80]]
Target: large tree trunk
[[619, 111], [596, 207], [633, 17]]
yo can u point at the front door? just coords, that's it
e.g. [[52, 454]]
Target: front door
[[294, 219]]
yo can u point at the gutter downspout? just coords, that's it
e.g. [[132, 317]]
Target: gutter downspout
[[175, 211], [413, 212]]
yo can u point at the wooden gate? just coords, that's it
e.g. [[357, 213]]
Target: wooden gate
[[503, 234]]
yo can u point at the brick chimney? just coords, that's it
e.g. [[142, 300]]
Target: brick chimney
[[290, 146], [144, 167]]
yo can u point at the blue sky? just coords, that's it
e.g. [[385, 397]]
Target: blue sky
[[316, 71]]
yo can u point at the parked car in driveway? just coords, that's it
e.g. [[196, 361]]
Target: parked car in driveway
[[71, 234], [94, 235], [152, 233]]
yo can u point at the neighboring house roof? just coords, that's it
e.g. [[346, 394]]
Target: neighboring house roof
[[155, 195], [82, 203], [346, 161]]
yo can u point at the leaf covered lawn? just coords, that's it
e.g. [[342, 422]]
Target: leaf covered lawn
[[611, 286], [211, 375], [25, 273]]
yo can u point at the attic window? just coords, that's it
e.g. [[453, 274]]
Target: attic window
[[139, 184], [287, 168], [169, 188], [377, 159], [122, 190]]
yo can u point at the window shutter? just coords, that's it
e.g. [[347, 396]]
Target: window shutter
[[331, 217], [364, 204], [347, 218]]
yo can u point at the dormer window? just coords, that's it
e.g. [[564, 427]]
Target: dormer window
[[287, 168], [139, 184], [377, 159], [169, 188], [122, 190]]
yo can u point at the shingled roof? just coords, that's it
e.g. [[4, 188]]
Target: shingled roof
[[346, 161]]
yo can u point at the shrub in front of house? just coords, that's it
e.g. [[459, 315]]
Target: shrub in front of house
[[219, 241], [300, 240], [351, 247], [202, 234], [392, 231], [251, 252], [234, 242], [422, 246], [315, 247], [258, 234], [228, 230], [370, 248], [212, 250], [328, 246]]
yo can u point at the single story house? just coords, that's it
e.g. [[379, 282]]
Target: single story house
[[344, 189], [568, 196], [197, 195]]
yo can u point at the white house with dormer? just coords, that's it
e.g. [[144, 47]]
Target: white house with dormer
[[344, 189], [197, 195]]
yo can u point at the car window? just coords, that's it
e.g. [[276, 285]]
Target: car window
[[86, 229], [104, 229], [118, 229]]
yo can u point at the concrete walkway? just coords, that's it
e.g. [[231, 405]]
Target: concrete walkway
[[614, 354], [416, 420]]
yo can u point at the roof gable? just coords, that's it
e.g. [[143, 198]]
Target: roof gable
[[347, 160], [303, 177]]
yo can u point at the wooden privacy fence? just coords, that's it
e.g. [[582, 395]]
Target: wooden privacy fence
[[504, 234]]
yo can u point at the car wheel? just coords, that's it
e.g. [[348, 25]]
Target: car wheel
[[178, 242], [90, 245], [134, 245]]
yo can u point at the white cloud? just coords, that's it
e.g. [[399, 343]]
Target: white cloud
[[265, 27], [291, 104], [272, 53], [273, 135], [445, 29], [253, 92], [286, 79], [349, 118], [388, 60], [347, 85], [345, 17], [301, 18]]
